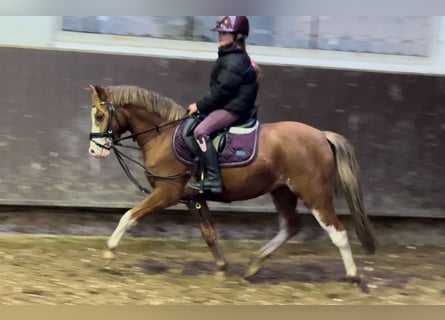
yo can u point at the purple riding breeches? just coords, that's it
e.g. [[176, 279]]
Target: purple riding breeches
[[215, 121]]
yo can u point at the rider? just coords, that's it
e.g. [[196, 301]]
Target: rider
[[231, 97]]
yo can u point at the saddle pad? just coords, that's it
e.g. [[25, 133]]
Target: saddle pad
[[240, 149]]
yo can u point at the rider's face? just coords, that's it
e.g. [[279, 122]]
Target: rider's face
[[225, 38]]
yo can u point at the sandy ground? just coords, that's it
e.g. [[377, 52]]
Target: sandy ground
[[53, 258]]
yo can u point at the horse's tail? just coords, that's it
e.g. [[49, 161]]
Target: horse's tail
[[347, 182]]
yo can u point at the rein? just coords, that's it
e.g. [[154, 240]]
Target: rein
[[122, 157], [155, 128]]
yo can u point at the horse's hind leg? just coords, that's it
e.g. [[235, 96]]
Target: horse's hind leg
[[286, 202], [329, 221], [208, 231]]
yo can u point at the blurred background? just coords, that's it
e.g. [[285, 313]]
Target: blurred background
[[390, 35], [377, 80]]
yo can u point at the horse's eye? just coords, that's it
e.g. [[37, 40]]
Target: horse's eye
[[100, 117]]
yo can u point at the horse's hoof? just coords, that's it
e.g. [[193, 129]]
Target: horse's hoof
[[108, 255], [254, 267], [220, 275], [354, 279], [221, 266], [359, 282]]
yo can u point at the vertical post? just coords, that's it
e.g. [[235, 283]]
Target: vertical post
[[314, 30], [438, 47]]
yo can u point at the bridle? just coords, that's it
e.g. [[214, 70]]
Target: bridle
[[116, 142], [108, 133]]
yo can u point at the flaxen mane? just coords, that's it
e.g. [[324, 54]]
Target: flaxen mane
[[151, 101]]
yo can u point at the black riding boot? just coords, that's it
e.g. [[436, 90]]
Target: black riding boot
[[209, 161]]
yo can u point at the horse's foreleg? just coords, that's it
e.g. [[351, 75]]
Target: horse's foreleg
[[125, 223], [155, 202], [208, 232], [285, 201]]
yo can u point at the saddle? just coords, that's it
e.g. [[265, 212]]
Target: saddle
[[236, 145]]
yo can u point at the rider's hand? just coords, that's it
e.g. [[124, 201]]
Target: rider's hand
[[193, 108]]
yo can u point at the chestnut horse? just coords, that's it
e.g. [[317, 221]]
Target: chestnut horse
[[293, 161]]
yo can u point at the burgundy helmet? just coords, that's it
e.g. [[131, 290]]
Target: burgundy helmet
[[234, 24]]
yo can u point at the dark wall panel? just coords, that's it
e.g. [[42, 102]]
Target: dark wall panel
[[396, 123]]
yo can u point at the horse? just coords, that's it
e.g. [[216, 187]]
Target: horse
[[294, 161]]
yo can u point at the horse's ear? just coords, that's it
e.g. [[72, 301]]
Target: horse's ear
[[100, 91], [92, 88]]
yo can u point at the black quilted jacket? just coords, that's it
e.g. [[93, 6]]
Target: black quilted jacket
[[233, 84]]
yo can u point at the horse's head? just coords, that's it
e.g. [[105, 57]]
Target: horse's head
[[103, 122], [117, 109]]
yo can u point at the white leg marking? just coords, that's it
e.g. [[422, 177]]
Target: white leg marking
[[124, 224], [276, 241], [340, 239]]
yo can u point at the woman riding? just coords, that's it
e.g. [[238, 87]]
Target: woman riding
[[231, 97]]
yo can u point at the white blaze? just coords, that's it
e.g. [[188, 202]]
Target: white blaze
[[94, 149]]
